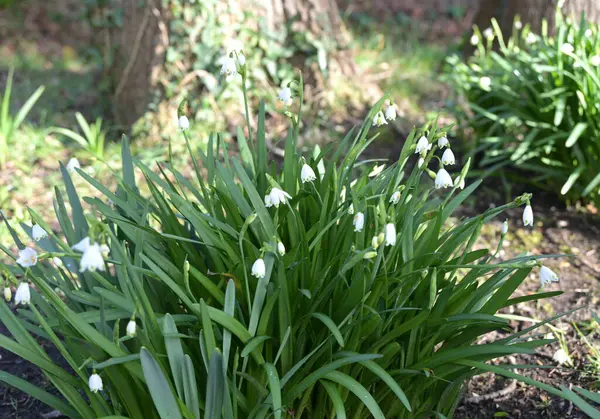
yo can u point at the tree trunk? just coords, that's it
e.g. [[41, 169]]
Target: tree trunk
[[533, 12]]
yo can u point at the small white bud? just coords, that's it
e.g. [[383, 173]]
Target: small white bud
[[258, 268], [280, 249], [95, 383], [504, 227], [131, 328]]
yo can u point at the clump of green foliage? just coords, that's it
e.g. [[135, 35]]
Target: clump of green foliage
[[534, 101], [248, 301]]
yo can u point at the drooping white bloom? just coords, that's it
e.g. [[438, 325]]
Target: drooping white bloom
[[567, 48], [443, 179], [420, 162], [268, 201], [390, 112], [390, 234], [460, 182], [488, 33], [38, 232], [279, 197], [131, 328], [528, 216], [448, 157], [27, 257], [422, 145], [307, 174], [358, 222], [184, 123], [561, 357], [379, 119], [229, 67], [443, 142], [241, 59], [23, 295], [258, 268], [531, 38], [73, 164], [7, 293], [485, 83], [395, 198], [93, 255], [504, 227], [474, 40], [280, 249], [95, 383], [595, 60], [375, 242], [351, 209], [376, 170], [547, 276], [285, 96]]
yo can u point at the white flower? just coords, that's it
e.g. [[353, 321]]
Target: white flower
[[488, 33], [528, 216], [184, 123], [547, 276], [130, 330], [485, 83], [448, 157], [285, 95], [459, 182], [422, 145], [73, 164], [561, 357], [229, 67], [280, 249], [390, 234], [531, 38], [595, 60], [395, 197], [390, 112], [375, 242], [241, 59], [588, 33], [278, 197], [351, 209], [268, 201], [443, 179], [258, 268], [567, 48], [38, 232], [376, 170], [358, 222], [307, 174], [92, 258], [474, 39], [379, 119], [420, 162], [504, 227], [27, 257], [518, 25], [7, 293], [95, 383], [23, 296], [443, 142]]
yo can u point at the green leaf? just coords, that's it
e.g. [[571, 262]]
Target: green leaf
[[355, 387], [331, 326], [575, 134], [253, 344], [336, 399], [215, 386], [275, 387], [174, 353], [160, 389]]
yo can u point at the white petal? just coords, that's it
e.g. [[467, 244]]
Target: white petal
[[73, 164], [184, 123], [82, 246], [95, 383], [258, 268], [358, 222], [92, 259], [27, 257], [131, 328], [38, 232], [307, 174], [448, 157], [23, 295], [528, 216], [443, 179], [390, 234]]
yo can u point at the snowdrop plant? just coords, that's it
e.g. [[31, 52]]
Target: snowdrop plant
[[229, 325]]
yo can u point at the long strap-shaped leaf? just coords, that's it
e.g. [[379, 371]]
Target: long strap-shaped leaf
[[160, 389]]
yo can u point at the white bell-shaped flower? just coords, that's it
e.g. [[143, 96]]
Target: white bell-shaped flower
[[531, 38], [448, 157], [390, 234], [131, 328], [23, 295], [443, 179], [474, 40], [390, 112], [528, 216], [27, 257], [307, 174], [561, 357], [422, 145], [280, 249], [38, 233], [504, 227], [395, 198], [285, 96], [443, 142], [547, 276], [241, 59], [184, 123], [258, 268], [268, 201], [278, 197], [229, 67], [488, 33], [7, 293], [73, 164], [379, 119], [358, 222], [95, 383], [567, 48], [93, 255]]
